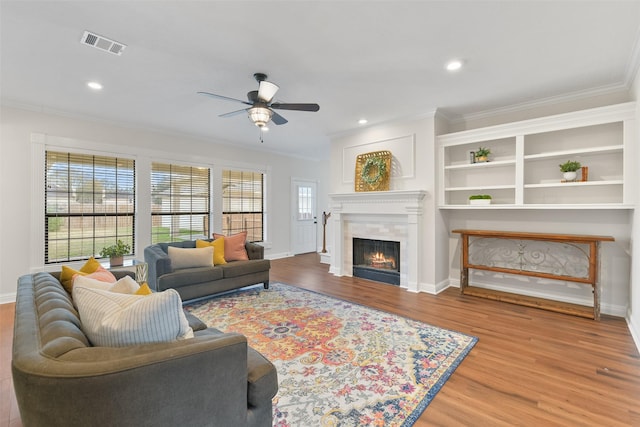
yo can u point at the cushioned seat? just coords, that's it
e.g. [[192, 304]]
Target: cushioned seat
[[240, 268], [190, 276]]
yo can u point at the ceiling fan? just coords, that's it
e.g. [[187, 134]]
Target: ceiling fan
[[261, 103]]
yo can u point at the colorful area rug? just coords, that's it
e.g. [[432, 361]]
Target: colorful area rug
[[339, 363]]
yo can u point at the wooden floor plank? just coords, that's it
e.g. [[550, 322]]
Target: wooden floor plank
[[530, 366]]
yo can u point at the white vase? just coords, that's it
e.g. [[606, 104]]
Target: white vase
[[570, 176], [479, 201]]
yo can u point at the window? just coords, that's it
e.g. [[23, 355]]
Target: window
[[89, 204], [180, 202], [306, 202], [242, 210]]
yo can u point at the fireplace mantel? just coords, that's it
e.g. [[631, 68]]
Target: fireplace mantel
[[383, 215]]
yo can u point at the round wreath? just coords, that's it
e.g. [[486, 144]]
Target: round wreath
[[373, 178]]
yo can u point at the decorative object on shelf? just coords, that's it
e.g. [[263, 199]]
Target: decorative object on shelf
[[142, 272], [325, 217], [472, 157], [569, 169], [372, 171], [482, 154], [585, 173], [115, 252], [480, 199]]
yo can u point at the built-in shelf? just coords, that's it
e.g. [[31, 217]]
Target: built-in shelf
[[482, 164], [483, 188], [573, 184], [565, 153], [523, 171]]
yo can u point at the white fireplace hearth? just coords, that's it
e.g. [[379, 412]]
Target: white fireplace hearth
[[379, 215]]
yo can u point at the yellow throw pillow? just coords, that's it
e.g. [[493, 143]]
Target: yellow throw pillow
[[144, 289], [218, 250], [66, 276]]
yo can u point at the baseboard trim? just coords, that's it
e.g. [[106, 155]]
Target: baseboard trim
[[7, 298], [610, 309], [633, 329], [278, 256]]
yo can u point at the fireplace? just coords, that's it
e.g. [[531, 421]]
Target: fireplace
[[383, 215], [377, 260]]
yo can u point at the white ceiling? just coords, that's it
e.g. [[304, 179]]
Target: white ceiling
[[382, 60]]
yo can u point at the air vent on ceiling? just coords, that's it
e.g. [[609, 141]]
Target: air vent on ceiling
[[102, 43]]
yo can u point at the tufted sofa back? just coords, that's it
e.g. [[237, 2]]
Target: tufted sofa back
[[59, 322]]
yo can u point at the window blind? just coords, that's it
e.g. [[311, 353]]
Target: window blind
[[180, 202], [89, 204], [242, 199]]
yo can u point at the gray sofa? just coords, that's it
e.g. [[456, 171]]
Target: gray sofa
[[213, 379], [198, 282]]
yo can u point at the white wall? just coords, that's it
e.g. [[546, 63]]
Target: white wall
[[633, 316], [421, 163], [17, 126]]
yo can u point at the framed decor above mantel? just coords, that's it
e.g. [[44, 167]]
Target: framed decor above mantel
[[373, 171], [402, 161]]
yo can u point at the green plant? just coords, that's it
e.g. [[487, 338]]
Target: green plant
[[119, 249], [479, 196], [372, 177], [483, 152], [570, 166]]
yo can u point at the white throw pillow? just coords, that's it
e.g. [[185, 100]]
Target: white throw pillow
[[117, 320], [125, 285], [190, 257]]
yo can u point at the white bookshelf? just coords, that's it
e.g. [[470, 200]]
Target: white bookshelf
[[523, 171]]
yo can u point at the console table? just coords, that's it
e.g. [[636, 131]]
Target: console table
[[564, 257]]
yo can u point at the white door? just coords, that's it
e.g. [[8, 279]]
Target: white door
[[304, 219]]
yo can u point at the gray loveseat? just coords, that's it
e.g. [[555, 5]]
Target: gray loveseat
[[198, 282], [213, 379]]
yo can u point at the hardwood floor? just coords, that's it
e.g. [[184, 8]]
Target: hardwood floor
[[530, 367]]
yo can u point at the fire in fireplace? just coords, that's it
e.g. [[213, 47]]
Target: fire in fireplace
[[377, 260]]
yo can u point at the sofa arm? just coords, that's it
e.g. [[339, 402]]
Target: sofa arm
[[158, 264], [254, 250], [190, 382]]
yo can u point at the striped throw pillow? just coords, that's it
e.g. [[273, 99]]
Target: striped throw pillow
[[118, 320]]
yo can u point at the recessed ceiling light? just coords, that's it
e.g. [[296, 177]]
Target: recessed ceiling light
[[454, 65], [362, 121], [94, 85]]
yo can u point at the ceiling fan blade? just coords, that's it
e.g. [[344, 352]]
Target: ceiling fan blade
[[213, 95], [299, 107], [267, 91], [278, 119], [233, 113]]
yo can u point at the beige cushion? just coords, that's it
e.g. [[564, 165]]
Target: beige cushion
[[117, 320], [190, 257]]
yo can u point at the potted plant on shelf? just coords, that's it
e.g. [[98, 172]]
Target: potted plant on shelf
[[115, 252], [482, 154], [480, 199], [569, 169]]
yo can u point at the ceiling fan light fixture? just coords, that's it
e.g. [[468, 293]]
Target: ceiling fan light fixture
[[267, 91], [260, 116]]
